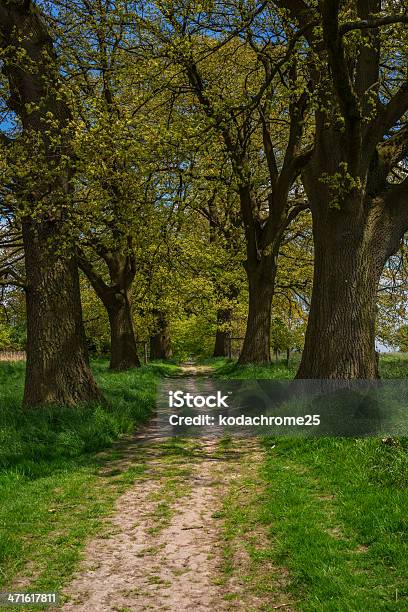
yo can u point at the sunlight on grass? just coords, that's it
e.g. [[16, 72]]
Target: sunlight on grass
[[52, 496], [335, 510]]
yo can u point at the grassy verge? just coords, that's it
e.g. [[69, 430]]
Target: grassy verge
[[52, 493], [228, 368], [335, 514], [392, 365]]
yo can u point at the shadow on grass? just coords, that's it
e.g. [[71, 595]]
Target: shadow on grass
[[38, 442]]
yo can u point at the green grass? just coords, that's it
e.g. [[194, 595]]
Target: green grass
[[335, 511], [228, 368], [52, 494], [392, 365], [338, 522], [32, 440]]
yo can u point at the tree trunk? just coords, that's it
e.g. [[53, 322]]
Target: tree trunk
[[261, 282], [58, 368], [160, 343], [340, 337], [123, 344], [359, 206], [222, 336], [57, 361], [115, 298]]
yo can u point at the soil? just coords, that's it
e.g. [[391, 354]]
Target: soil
[[162, 549], [143, 564]]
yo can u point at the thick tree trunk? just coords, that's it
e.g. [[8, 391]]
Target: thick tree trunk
[[123, 344], [340, 337], [359, 212], [57, 360], [222, 336], [261, 283], [160, 343]]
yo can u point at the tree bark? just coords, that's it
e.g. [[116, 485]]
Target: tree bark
[[57, 360], [123, 344], [160, 343], [359, 209], [350, 253], [222, 335], [352, 245], [261, 283], [356, 228], [115, 298]]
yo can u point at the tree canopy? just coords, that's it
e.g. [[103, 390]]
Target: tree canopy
[[203, 165]]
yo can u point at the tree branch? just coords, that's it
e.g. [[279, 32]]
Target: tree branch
[[395, 109], [269, 151], [96, 280], [394, 149], [371, 23], [303, 14], [295, 212], [18, 281], [396, 200], [12, 283], [346, 95]]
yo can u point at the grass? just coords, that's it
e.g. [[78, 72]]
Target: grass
[[52, 493], [228, 368], [324, 521], [335, 514], [338, 524], [392, 365], [32, 440]]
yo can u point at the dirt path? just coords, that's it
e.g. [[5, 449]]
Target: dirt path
[[162, 548]]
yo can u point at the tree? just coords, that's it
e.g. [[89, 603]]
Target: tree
[[401, 338], [232, 77], [120, 181], [91, 36], [225, 232], [355, 183], [160, 344], [215, 199], [57, 360]]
